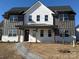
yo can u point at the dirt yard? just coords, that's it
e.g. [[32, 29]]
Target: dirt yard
[[54, 51], [8, 51], [47, 51]]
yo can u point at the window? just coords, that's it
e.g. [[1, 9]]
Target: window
[[46, 17], [66, 17], [30, 18], [13, 18], [38, 17], [63, 17], [12, 32], [66, 33], [49, 33], [41, 33]]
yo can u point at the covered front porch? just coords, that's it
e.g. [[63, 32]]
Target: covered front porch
[[37, 33]]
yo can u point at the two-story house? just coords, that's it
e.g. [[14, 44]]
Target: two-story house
[[39, 23]]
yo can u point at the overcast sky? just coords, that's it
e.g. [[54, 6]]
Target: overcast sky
[[5, 5]]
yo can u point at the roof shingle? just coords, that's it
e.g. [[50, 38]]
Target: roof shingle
[[19, 10]]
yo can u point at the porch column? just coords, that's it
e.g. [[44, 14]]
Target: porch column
[[36, 34], [19, 33]]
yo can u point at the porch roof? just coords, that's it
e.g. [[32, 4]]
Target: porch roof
[[35, 26]]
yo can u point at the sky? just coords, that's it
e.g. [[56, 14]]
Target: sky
[[5, 5]]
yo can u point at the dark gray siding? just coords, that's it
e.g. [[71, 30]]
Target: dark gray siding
[[10, 25], [66, 25]]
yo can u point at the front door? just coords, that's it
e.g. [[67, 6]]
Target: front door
[[26, 35]]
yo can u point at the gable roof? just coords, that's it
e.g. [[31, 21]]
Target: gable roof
[[21, 10]]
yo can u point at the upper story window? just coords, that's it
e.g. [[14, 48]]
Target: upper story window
[[38, 17], [13, 18], [46, 17], [66, 17], [63, 17], [30, 18]]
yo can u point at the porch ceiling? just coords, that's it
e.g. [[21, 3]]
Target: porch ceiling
[[35, 26]]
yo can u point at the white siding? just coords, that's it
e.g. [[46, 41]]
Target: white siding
[[45, 39], [39, 9], [12, 38]]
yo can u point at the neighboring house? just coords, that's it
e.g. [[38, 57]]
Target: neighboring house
[[77, 33], [39, 24]]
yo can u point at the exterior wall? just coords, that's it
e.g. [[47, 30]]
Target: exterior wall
[[67, 25], [8, 26], [37, 38], [39, 9]]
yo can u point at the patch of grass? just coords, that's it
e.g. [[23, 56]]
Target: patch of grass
[[50, 51], [8, 51]]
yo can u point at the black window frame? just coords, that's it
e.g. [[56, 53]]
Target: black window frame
[[49, 33], [66, 33], [30, 17], [46, 17], [38, 17], [41, 33]]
